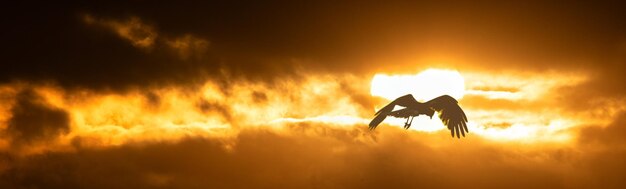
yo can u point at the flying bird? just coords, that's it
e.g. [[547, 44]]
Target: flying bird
[[448, 108]]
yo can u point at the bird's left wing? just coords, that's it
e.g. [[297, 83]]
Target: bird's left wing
[[405, 101], [450, 114]]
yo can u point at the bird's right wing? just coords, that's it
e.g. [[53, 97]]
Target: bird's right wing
[[405, 101], [450, 114]]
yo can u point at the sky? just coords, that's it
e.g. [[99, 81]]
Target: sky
[[278, 94]]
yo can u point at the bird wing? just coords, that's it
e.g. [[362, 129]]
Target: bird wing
[[450, 114], [405, 101], [403, 113]]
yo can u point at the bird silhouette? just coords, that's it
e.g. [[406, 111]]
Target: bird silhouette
[[447, 107]]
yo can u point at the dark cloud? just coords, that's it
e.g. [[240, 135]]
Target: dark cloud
[[32, 120], [609, 136], [221, 109], [261, 41], [152, 99], [315, 156], [597, 97], [607, 143]]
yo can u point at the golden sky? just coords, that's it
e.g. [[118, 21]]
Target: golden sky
[[279, 94]]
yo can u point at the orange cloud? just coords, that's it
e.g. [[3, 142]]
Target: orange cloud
[[133, 29]]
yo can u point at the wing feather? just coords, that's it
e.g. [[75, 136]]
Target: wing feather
[[450, 114], [406, 100], [380, 116]]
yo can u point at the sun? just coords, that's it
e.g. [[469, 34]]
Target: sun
[[424, 86]]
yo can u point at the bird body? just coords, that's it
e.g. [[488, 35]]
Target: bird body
[[449, 112]]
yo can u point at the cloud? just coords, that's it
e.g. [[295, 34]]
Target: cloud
[[232, 137], [172, 113], [609, 136], [313, 156], [133, 30], [606, 148], [33, 121]]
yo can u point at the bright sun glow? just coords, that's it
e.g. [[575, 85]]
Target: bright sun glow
[[424, 86], [521, 125]]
